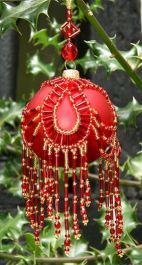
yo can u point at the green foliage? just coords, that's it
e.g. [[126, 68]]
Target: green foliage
[[36, 66], [10, 145], [15, 236], [132, 166], [101, 56], [27, 9], [128, 114]]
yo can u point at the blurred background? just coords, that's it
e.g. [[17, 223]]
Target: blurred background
[[32, 56]]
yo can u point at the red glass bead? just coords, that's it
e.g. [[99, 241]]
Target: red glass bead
[[119, 231], [112, 231], [101, 199], [117, 199], [119, 217], [70, 30], [57, 225], [107, 217], [67, 243], [69, 51], [118, 246], [42, 218]]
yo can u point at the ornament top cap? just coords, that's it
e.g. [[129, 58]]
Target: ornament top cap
[[71, 73]]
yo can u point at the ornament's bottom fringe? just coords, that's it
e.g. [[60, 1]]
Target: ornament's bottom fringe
[[40, 187]]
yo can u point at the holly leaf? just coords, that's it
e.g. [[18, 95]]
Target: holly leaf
[[11, 170], [103, 56], [36, 66], [135, 256], [96, 5], [87, 62], [10, 111], [128, 114], [133, 167], [27, 9], [11, 227], [42, 38]]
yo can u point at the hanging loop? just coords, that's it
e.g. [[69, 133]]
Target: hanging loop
[[70, 65]]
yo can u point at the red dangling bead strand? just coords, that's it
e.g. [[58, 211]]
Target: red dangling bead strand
[[82, 195], [101, 181], [49, 202], [86, 179], [106, 186], [67, 242], [69, 31], [57, 216], [75, 199]]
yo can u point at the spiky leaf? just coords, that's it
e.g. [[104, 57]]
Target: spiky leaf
[[133, 167], [128, 114], [36, 66], [103, 57], [28, 10]]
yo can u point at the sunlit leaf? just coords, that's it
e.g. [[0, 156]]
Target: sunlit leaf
[[128, 114], [28, 10], [10, 111], [12, 225], [36, 66], [135, 256], [133, 167], [103, 57]]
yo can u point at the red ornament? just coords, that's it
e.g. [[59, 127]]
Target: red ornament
[[69, 123]]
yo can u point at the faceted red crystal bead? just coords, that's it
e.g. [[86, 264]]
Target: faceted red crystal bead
[[69, 51], [70, 30]]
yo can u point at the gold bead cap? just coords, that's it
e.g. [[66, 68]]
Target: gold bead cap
[[71, 73]]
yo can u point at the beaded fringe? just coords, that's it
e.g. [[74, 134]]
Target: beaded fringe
[[40, 187]]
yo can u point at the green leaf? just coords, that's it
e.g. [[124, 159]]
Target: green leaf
[[133, 167], [36, 66], [28, 10], [96, 5], [12, 170], [87, 62], [135, 256], [128, 114], [10, 111], [11, 231], [103, 57]]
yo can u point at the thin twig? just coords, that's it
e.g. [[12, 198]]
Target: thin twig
[[47, 260], [123, 182]]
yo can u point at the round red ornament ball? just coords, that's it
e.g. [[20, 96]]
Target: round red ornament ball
[[67, 111]]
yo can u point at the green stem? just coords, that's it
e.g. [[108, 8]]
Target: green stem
[[47, 260], [113, 49], [123, 182]]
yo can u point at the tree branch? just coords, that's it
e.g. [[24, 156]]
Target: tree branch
[[123, 182], [113, 49], [47, 260]]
